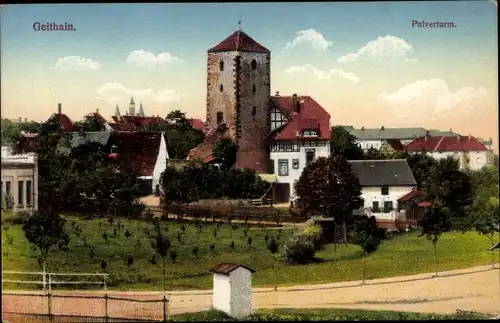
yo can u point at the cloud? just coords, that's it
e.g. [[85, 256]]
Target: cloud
[[384, 47], [312, 37], [75, 63], [429, 98], [117, 92], [141, 58], [324, 75]]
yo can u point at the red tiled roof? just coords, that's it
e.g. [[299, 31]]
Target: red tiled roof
[[143, 121], [197, 124], [425, 204], [311, 116], [411, 195], [446, 143], [209, 158], [204, 150], [123, 126], [395, 144], [136, 149], [97, 116], [64, 121], [239, 41]]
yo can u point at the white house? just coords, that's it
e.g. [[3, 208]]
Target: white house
[[368, 138], [232, 291], [20, 182], [300, 133], [383, 183], [471, 153]]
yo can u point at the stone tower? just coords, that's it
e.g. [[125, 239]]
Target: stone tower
[[131, 107], [238, 92]]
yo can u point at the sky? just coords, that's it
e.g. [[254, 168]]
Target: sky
[[368, 64]]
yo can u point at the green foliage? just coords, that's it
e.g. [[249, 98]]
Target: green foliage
[[45, 231], [11, 131], [328, 187], [272, 245], [344, 143], [225, 150], [313, 232], [299, 249], [173, 255], [365, 233]]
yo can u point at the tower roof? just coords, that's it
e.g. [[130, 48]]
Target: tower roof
[[239, 41]]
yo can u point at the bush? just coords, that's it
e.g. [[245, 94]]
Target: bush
[[314, 233], [299, 249]]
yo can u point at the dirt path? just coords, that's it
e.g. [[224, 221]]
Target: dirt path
[[473, 289]]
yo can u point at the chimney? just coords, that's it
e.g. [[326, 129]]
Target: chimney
[[96, 110], [59, 108], [427, 133], [382, 128], [469, 137], [25, 119], [451, 131], [20, 119], [363, 128], [277, 93], [295, 101]]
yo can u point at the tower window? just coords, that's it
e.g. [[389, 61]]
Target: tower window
[[254, 88], [220, 117], [221, 66], [221, 87], [254, 64], [254, 111]]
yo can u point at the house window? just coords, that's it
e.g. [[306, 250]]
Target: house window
[[221, 87], [220, 117], [388, 207], [254, 89], [254, 111], [384, 190], [310, 133], [277, 118], [375, 206], [283, 167], [29, 193], [254, 64], [295, 163], [310, 156], [221, 66], [20, 193]]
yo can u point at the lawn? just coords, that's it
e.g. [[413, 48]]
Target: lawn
[[401, 255], [325, 315]]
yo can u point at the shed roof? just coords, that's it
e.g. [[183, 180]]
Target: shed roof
[[225, 268]]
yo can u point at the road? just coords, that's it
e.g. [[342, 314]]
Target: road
[[472, 289]]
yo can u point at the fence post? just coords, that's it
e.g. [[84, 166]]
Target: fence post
[[105, 276], [43, 280], [164, 308], [106, 307], [49, 305], [50, 282]]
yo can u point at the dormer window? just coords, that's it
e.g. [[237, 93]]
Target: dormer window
[[298, 134], [310, 133]]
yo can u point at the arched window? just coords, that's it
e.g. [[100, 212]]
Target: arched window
[[221, 87], [254, 111], [221, 65], [254, 64], [254, 89]]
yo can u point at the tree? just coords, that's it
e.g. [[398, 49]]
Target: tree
[[272, 246], [45, 231], [225, 149], [161, 244], [344, 143], [435, 221], [329, 187], [420, 165], [180, 187], [372, 154]]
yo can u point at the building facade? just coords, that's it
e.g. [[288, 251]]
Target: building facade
[[383, 183], [469, 151], [20, 182]]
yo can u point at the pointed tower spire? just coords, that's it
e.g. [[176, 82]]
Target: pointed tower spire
[[117, 111], [141, 111], [131, 107]]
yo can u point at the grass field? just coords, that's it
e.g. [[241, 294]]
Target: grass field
[[325, 315], [402, 255]]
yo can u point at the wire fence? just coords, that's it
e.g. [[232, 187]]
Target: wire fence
[[49, 307], [50, 279]]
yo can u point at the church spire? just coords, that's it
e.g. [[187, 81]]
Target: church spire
[[141, 111], [131, 107], [117, 111]]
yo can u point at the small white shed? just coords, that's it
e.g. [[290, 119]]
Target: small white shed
[[232, 292]]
